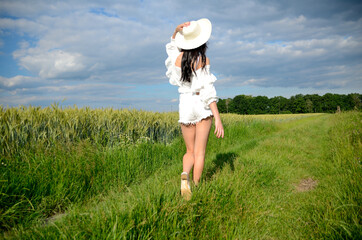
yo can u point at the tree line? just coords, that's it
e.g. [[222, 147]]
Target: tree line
[[310, 103]]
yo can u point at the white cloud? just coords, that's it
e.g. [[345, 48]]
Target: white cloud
[[22, 26], [19, 81], [52, 64], [85, 44]]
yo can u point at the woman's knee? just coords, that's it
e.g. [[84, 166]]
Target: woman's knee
[[199, 155]]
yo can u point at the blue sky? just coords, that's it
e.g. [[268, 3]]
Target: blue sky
[[111, 53]]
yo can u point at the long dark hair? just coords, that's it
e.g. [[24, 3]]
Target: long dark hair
[[189, 60]]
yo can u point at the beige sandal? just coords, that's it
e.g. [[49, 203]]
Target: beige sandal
[[185, 186]]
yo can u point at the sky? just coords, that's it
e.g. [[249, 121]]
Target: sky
[[111, 53]]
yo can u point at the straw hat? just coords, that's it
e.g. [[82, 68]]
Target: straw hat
[[194, 35]]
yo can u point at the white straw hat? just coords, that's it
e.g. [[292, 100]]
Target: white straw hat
[[194, 35]]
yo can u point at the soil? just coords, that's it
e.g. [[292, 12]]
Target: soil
[[306, 185], [54, 218]]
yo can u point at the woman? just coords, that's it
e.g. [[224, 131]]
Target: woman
[[189, 69]]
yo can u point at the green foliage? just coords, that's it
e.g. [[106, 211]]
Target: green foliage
[[240, 104], [221, 105], [299, 103]]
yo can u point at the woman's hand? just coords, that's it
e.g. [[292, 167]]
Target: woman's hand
[[179, 28], [219, 130]]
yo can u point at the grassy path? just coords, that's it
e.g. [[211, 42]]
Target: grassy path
[[263, 181]]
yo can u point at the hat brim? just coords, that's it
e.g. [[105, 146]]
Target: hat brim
[[203, 37]]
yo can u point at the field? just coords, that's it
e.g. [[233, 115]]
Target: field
[[114, 174]]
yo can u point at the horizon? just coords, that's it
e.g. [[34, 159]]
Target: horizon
[[64, 106]]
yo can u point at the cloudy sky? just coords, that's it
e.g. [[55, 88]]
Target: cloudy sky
[[111, 53]]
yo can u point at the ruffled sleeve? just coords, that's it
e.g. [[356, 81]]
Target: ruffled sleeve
[[172, 52], [208, 92]]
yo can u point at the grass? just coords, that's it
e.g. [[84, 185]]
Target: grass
[[249, 188]]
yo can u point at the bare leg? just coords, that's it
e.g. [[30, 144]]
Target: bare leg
[[188, 133], [202, 135]]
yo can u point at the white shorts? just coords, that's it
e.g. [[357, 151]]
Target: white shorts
[[191, 109]]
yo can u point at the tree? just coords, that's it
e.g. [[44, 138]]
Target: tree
[[300, 105], [277, 105], [246, 104], [240, 104], [274, 104], [259, 105], [354, 100], [227, 102], [329, 103], [221, 106], [297, 104], [316, 101], [283, 104], [309, 105]]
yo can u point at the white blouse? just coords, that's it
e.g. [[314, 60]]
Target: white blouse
[[202, 82]]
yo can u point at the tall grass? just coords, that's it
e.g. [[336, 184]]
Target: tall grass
[[53, 157], [342, 210], [29, 127], [130, 189]]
